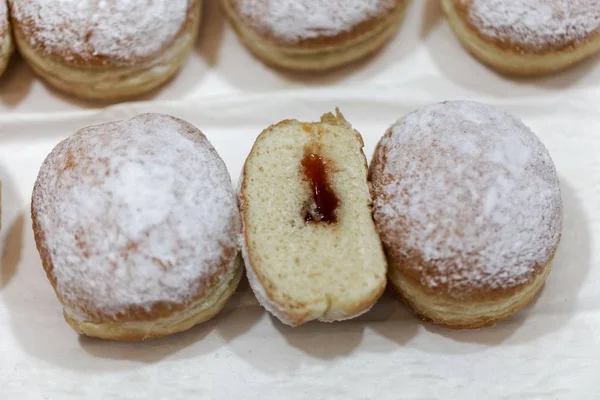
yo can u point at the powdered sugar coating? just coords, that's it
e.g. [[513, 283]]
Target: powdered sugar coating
[[117, 30], [536, 24], [296, 20], [469, 195], [134, 213]]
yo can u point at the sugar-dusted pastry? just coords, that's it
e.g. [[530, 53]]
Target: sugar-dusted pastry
[[527, 37], [314, 35], [105, 50], [468, 205], [138, 229]]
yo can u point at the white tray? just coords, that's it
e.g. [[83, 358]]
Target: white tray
[[551, 350]]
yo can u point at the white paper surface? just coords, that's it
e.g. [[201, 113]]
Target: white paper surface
[[551, 350]]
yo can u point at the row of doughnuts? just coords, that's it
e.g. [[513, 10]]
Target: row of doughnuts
[[517, 37], [112, 50], [142, 234]]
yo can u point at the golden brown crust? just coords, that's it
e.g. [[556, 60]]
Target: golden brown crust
[[517, 301], [26, 29], [149, 330], [90, 313]]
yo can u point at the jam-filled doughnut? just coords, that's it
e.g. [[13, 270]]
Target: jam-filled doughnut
[[314, 34], [105, 49], [527, 37], [6, 43], [310, 245], [468, 206], [138, 229]]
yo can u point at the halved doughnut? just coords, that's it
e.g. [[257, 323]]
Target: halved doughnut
[[311, 248]]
